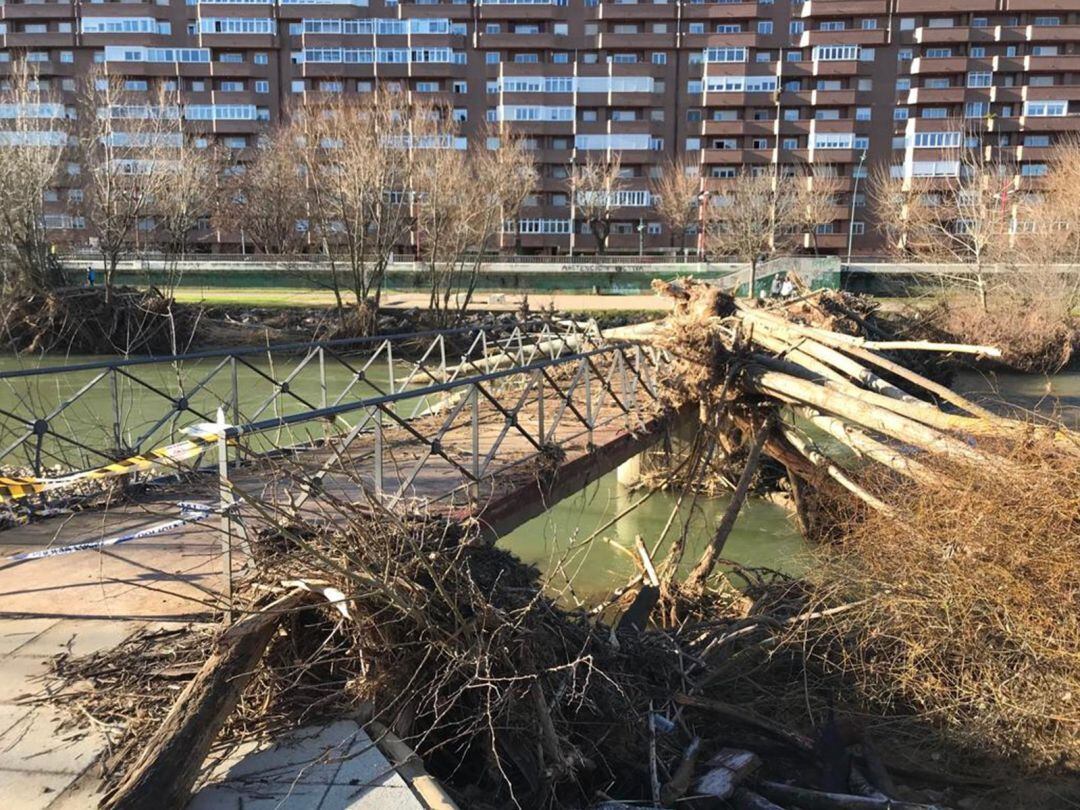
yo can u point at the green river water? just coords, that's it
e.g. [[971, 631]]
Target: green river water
[[764, 536]]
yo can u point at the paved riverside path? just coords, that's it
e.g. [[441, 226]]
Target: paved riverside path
[[92, 600]]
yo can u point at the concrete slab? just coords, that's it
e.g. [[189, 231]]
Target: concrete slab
[[14, 635], [33, 790], [77, 638], [34, 744], [330, 767]]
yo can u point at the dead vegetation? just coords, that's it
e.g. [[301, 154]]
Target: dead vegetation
[[936, 642]]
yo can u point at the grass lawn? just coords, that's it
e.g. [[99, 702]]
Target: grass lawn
[[257, 297]]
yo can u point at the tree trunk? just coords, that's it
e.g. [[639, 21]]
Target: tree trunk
[[698, 577], [171, 759]]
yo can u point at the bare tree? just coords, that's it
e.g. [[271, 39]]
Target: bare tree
[[360, 161], [462, 200], [31, 147], [1056, 212], [754, 219], [594, 187], [124, 144], [266, 199], [677, 194], [966, 213], [819, 195]]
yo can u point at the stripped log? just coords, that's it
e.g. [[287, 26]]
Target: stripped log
[[866, 446], [170, 761], [833, 471], [704, 567]]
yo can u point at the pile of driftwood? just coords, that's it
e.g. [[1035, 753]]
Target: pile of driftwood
[[87, 321], [696, 693]]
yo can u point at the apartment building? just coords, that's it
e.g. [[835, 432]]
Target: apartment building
[[840, 85]]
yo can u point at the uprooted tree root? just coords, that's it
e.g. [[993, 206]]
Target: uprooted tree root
[[967, 607], [83, 321]]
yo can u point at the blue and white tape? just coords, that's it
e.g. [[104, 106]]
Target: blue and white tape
[[189, 513]]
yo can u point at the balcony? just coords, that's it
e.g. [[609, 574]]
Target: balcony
[[745, 39], [843, 8], [922, 66], [936, 6], [51, 39], [719, 11], [833, 98], [853, 36], [948, 36], [1054, 33], [937, 95], [1052, 64], [637, 11]]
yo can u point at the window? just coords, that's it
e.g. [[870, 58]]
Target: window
[[861, 142], [900, 114], [790, 143], [1036, 140], [835, 53], [864, 85], [461, 88], [725, 54], [903, 55], [491, 58], [903, 84], [976, 109], [979, 79], [231, 58], [977, 52], [427, 87], [1047, 21], [232, 87], [560, 58], [728, 28], [791, 114], [938, 53], [261, 59], [858, 228], [833, 140], [980, 22], [863, 113], [940, 22], [938, 83], [935, 112], [492, 28], [695, 28], [759, 143], [1033, 170], [262, 86], [937, 140], [1046, 109], [67, 57], [1041, 81], [1044, 50], [793, 56], [560, 29], [297, 85], [907, 23], [868, 25], [796, 27], [833, 25], [658, 58], [764, 27]]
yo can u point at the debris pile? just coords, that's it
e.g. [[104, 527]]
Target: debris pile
[[784, 693]]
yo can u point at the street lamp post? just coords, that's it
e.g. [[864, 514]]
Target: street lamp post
[[854, 194], [641, 236]]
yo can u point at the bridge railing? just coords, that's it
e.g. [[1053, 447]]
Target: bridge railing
[[62, 418], [475, 430]]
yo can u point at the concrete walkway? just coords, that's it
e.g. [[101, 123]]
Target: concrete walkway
[[45, 762]]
